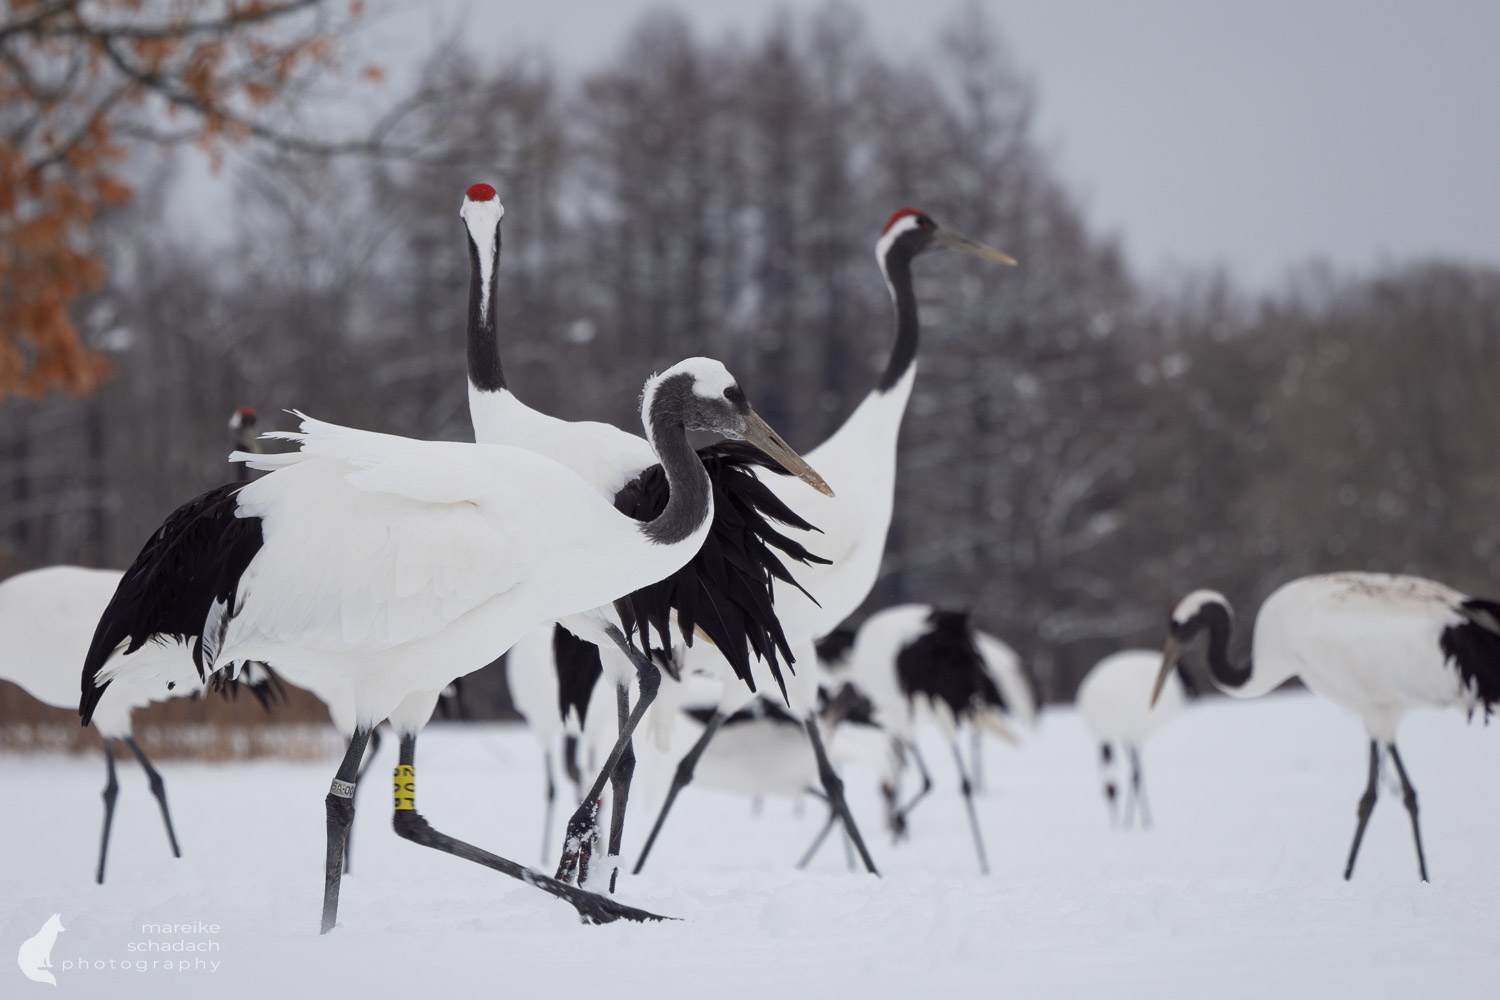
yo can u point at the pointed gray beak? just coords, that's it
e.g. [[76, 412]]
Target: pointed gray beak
[[1170, 654], [948, 239], [760, 434]]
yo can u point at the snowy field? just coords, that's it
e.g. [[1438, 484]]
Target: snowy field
[[1235, 893]]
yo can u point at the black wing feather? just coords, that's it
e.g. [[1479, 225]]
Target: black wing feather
[[944, 664], [1474, 648], [195, 558], [728, 588], [578, 670]]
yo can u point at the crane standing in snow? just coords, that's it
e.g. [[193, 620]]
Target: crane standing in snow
[[1113, 702], [1376, 644], [374, 569], [859, 460]]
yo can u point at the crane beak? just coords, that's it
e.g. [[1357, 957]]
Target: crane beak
[[760, 434], [948, 239], [1170, 654]]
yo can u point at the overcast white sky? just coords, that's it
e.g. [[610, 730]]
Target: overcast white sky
[[1254, 133]]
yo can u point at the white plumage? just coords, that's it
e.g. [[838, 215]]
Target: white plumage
[[1376, 644], [1114, 699]]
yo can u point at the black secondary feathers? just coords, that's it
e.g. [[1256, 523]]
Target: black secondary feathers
[[578, 670], [945, 664], [727, 588], [190, 567], [1473, 646]]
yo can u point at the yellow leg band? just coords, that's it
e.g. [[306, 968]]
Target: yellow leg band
[[406, 787]]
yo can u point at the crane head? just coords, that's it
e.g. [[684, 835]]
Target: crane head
[[1191, 615], [910, 232]]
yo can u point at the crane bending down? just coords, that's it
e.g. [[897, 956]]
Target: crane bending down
[[915, 660], [1120, 720], [859, 460], [724, 595], [374, 569], [1375, 644], [46, 617]]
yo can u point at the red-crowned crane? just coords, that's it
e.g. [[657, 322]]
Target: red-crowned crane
[[46, 618], [1375, 644], [373, 569], [725, 593], [916, 662], [859, 461], [1112, 699]]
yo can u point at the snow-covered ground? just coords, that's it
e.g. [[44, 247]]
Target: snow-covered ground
[[1236, 892]]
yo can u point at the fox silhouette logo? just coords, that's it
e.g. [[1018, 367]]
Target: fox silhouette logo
[[35, 957]]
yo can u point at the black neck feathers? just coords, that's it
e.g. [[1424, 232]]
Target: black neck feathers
[[484, 339], [898, 272], [687, 483], [1216, 618]]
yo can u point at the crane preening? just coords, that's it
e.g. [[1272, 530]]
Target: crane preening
[[1376, 644], [374, 569]]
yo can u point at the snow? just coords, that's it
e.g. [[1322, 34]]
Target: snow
[[1235, 893]]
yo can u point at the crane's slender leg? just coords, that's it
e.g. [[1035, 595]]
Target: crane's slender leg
[[833, 787], [1138, 787], [551, 797], [899, 824], [968, 790], [374, 748], [410, 825], [158, 789], [680, 778], [578, 842], [111, 791], [1409, 797], [976, 754], [339, 808], [1366, 806], [812, 850], [619, 783], [1106, 755]]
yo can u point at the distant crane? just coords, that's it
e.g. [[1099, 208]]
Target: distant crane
[[1112, 701], [373, 569], [915, 661], [1375, 644]]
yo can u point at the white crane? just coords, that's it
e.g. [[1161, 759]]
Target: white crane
[[724, 595], [1113, 700], [1376, 644], [915, 662], [46, 618], [859, 461], [374, 569]]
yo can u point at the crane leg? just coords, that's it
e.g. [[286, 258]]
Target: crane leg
[[374, 748], [339, 807], [578, 842], [1366, 806], [968, 790], [410, 825], [680, 779], [551, 798], [1138, 787], [898, 826], [1409, 797], [158, 789], [812, 850], [619, 783], [111, 791], [833, 787], [976, 754], [1111, 795]]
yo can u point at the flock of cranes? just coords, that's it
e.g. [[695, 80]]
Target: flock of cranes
[[374, 570]]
